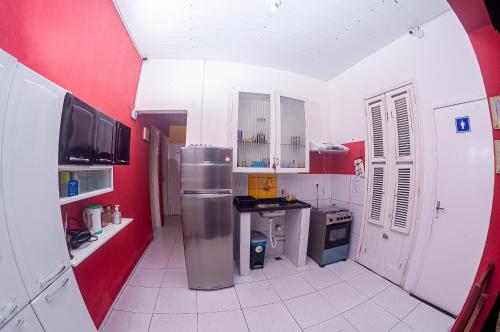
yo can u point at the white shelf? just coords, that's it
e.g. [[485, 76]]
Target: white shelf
[[71, 199], [97, 177], [82, 253]]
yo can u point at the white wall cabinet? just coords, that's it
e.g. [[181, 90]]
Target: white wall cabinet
[[30, 184], [13, 295], [60, 308], [25, 321], [270, 133]]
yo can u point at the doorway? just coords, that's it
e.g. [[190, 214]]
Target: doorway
[[174, 179], [154, 190], [463, 198]]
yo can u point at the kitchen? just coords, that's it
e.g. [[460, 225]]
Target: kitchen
[[132, 76]]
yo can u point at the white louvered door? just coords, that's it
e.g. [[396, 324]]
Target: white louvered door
[[391, 197]]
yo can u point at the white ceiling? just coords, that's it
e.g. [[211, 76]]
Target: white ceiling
[[319, 38]]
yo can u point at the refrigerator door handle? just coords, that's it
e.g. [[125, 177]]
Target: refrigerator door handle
[[204, 195]]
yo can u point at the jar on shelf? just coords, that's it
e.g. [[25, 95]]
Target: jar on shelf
[[107, 215]]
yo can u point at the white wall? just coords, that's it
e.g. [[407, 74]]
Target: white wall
[[204, 89], [444, 69]]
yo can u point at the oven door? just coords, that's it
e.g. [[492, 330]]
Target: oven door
[[337, 234]]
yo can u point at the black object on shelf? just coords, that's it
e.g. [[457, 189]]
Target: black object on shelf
[[77, 132], [122, 149]]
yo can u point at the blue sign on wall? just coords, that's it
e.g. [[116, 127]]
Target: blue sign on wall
[[462, 124]]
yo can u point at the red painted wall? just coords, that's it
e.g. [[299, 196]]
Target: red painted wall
[[83, 46], [327, 163]]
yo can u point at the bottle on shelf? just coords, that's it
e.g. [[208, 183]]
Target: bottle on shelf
[[117, 215]]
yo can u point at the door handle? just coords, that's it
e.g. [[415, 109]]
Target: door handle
[[11, 308], [51, 296], [438, 206], [56, 275]]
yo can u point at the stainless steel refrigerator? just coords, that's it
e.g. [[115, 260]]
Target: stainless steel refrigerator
[[207, 216]]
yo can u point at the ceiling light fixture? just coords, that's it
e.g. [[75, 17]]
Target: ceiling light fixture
[[274, 5]]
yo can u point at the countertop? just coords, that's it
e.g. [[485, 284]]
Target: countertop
[[282, 205]]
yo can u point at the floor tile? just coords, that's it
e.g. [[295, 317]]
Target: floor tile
[[291, 286], [396, 301], [174, 323], [256, 293], [177, 260], [369, 317], [369, 284], [402, 327], [270, 318], [337, 324], [320, 278], [255, 275], [137, 299], [228, 321], [176, 300], [122, 321], [346, 269], [342, 296], [277, 268], [175, 278], [146, 277], [310, 309], [217, 300], [154, 261], [160, 249], [310, 264], [425, 318]]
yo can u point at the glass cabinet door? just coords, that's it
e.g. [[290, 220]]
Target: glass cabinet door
[[292, 139], [254, 131]]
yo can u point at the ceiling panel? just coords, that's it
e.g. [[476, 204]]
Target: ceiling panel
[[319, 38]]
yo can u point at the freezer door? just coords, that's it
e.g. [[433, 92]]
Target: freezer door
[[206, 168], [207, 225]]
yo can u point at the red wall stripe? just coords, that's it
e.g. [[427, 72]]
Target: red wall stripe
[[83, 46]]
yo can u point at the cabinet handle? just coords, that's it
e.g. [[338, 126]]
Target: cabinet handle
[[104, 159], [51, 296], [78, 159], [11, 309], [49, 279]]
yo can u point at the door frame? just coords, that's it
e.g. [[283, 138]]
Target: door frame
[[154, 190], [164, 174], [418, 162], [171, 145]]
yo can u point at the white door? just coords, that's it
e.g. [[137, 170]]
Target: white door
[[30, 179], [154, 190], [174, 179], [164, 174], [13, 296], [464, 189], [392, 185], [60, 308], [24, 321]]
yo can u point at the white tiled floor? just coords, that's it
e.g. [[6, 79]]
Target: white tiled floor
[[340, 297]]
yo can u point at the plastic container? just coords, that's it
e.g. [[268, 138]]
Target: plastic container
[[258, 242]]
